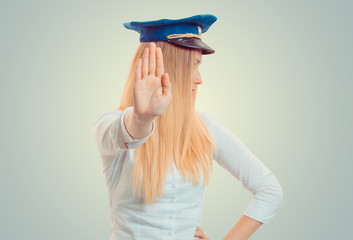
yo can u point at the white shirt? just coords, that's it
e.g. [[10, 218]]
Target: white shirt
[[177, 214]]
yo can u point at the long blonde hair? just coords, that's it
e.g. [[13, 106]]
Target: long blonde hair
[[179, 135]]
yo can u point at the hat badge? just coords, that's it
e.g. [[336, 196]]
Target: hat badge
[[186, 35]]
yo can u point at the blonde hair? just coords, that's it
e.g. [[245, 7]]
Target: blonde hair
[[179, 135]]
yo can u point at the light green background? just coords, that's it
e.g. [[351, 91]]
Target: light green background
[[280, 80]]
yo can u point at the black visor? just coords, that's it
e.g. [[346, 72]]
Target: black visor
[[192, 43]]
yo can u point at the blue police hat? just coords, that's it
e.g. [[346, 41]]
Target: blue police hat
[[185, 32]]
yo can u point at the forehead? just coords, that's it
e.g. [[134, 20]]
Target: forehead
[[197, 53]]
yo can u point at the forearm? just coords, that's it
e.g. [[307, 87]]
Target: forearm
[[137, 128], [243, 229]]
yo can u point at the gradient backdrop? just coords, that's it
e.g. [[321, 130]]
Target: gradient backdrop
[[280, 80]]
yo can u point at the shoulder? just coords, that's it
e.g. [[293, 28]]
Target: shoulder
[[217, 129], [205, 117], [208, 120]]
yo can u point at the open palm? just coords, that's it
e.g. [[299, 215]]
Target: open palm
[[152, 88]]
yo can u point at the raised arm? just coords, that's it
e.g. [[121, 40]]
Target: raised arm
[[151, 93], [117, 131]]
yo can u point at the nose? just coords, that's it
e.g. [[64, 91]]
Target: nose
[[198, 79]]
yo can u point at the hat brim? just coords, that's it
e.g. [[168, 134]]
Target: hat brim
[[192, 43]]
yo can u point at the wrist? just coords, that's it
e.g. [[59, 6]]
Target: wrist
[[137, 128], [141, 119]]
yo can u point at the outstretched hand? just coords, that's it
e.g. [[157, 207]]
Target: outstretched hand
[[152, 88]]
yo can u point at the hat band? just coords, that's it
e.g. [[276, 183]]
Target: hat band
[[187, 35]]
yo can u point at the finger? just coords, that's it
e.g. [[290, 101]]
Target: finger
[[166, 85], [152, 59], [199, 229], [145, 63], [138, 70], [160, 65], [199, 235]]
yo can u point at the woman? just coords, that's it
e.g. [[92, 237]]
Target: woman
[[157, 150]]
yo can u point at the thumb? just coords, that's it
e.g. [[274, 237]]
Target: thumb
[[166, 85]]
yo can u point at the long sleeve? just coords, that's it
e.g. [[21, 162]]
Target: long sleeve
[[235, 157], [111, 134]]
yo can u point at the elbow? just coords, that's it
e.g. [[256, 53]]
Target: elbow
[[275, 195], [276, 192], [272, 194], [279, 197]]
